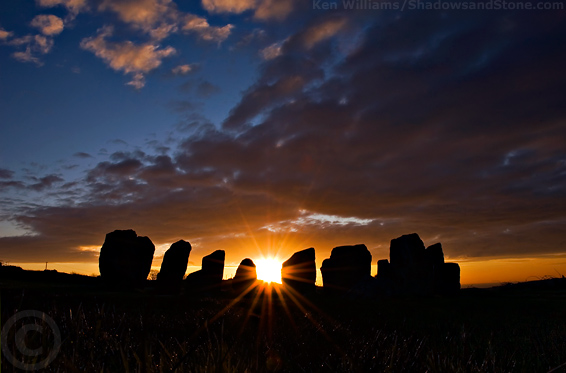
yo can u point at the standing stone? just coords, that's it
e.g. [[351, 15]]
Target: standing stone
[[346, 267], [209, 277], [125, 257], [245, 277], [383, 268], [449, 279], [175, 262], [407, 251], [299, 271], [410, 272], [434, 255], [415, 270]]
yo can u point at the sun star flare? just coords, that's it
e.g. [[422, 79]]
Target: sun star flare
[[269, 270]]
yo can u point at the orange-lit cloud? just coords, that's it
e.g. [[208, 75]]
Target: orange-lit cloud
[[160, 18], [225, 6], [263, 9], [26, 56], [48, 24], [322, 31], [127, 56], [5, 34], [73, 6], [273, 9], [155, 17], [194, 24], [182, 69]]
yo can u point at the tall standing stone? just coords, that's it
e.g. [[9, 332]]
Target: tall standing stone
[[299, 271], [125, 257], [449, 283], [175, 262], [346, 267], [407, 251]]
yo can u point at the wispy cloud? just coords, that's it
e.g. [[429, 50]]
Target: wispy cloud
[[27, 56], [82, 155], [262, 9], [182, 69], [272, 51]]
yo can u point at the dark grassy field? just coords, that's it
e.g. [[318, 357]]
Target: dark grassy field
[[107, 330]]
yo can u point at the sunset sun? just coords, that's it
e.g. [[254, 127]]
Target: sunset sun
[[268, 270]]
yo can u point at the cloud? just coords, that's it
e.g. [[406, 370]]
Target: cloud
[[42, 43], [27, 56], [21, 40], [263, 9], [194, 24], [322, 31], [82, 155], [34, 44], [271, 52], [261, 97], [12, 184], [6, 174], [5, 34], [273, 9], [182, 69], [155, 17], [45, 182], [228, 6], [160, 18], [127, 56], [48, 24], [74, 7]]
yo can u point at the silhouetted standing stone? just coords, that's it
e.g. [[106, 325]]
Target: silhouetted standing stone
[[407, 250], [434, 255], [415, 270], [449, 283], [245, 276], [410, 270], [210, 276], [125, 257], [346, 267], [299, 271], [175, 262], [383, 268]]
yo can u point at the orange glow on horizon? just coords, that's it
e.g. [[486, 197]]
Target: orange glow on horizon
[[472, 272]]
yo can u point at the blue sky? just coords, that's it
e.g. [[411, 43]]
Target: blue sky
[[265, 127]]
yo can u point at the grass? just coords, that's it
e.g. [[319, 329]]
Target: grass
[[143, 332]]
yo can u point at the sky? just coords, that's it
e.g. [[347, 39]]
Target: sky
[[265, 127]]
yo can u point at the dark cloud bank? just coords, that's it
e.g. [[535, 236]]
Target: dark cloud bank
[[449, 124]]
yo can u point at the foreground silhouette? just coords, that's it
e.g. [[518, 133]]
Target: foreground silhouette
[[125, 258]]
